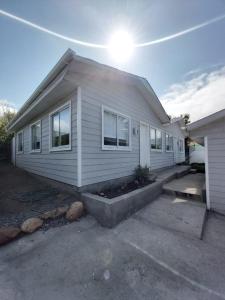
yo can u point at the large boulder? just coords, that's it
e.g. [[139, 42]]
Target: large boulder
[[8, 233], [75, 211], [31, 224], [57, 212]]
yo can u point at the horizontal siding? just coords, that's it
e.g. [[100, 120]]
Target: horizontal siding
[[101, 165], [216, 162], [216, 157], [60, 166]]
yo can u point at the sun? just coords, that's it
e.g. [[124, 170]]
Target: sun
[[121, 46]]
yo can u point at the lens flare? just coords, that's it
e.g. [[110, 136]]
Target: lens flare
[[121, 46]]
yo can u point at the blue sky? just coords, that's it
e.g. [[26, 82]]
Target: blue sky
[[184, 71]]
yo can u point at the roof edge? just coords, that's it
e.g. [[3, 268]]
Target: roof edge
[[206, 120], [65, 59]]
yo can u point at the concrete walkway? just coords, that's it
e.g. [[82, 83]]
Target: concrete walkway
[[191, 184], [137, 260], [174, 213], [168, 174]]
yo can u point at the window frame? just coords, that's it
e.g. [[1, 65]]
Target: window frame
[[17, 151], [58, 110], [110, 147], [169, 135], [31, 125], [152, 149], [181, 140]]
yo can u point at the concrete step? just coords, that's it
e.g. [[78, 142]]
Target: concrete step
[[190, 196], [189, 187], [169, 174]]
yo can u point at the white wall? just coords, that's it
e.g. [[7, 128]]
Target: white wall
[[197, 153], [216, 162], [60, 165]]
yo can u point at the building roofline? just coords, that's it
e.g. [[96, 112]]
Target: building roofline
[[206, 120], [63, 61], [67, 57]]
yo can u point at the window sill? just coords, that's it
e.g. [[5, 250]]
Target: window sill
[[19, 152], [156, 150], [35, 151], [104, 148], [169, 151], [60, 149]]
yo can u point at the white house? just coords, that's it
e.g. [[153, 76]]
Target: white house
[[211, 131], [89, 123]]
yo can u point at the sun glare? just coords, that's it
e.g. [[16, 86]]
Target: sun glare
[[121, 46]]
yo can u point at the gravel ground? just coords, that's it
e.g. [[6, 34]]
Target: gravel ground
[[22, 196]]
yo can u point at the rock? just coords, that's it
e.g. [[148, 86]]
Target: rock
[[57, 212], [31, 224], [75, 211], [8, 233]]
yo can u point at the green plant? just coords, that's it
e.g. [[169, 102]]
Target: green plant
[[5, 118], [141, 173]]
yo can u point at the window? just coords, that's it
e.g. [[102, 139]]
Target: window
[[60, 122], [169, 143], [156, 139], [181, 145], [20, 142], [116, 130], [36, 137]]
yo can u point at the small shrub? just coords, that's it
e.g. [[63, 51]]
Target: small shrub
[[141, 174]]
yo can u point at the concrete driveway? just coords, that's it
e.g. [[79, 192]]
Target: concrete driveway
[[136, 260]]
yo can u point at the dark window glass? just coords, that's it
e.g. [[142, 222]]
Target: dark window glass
[[55, 130], [158, 140], [153, 138], [123, 131], [110, 129], [36, 136], [61, 128], [20, 142], [64, 127]]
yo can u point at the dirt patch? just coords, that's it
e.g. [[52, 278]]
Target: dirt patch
[[123, 189], [22, 196]]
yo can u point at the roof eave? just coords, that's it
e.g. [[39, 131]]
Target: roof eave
[[63, 61], [207, 120]]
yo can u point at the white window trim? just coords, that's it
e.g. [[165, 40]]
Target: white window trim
[[170, 135], [156, 150], [19, 152], [58, 109], [115, 148], [35, 150], [181, 139]]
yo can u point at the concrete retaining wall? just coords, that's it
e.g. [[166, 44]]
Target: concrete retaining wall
[[109, 212]]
